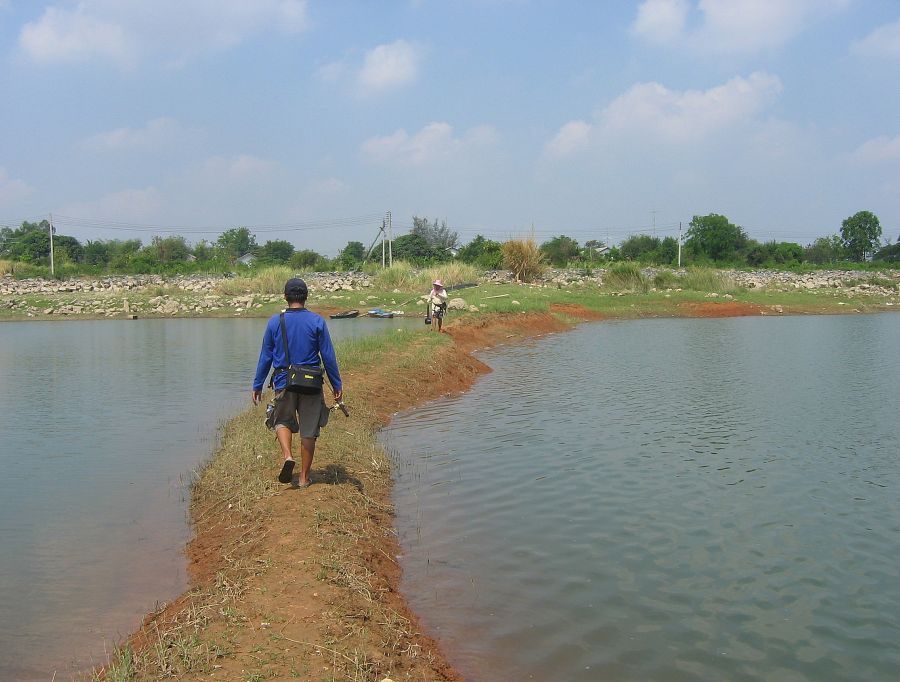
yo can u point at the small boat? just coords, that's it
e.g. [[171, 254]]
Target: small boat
[[379, 312], [344, 315]]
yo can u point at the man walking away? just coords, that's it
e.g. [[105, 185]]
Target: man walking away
[[307, 341]]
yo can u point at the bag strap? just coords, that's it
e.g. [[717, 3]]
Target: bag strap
[[287, 353]]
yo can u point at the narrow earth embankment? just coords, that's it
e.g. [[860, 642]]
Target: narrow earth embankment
[[303, 583]]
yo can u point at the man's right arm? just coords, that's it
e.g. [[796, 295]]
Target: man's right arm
[[265, 359]]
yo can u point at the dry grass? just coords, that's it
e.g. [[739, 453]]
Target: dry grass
[[267, 281], [626, 276], [6, 267], [235, 493], [523, 258]]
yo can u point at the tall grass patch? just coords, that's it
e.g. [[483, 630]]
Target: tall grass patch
[[6, 267], [707, 279], [626, 276], [666, 279], [266, 281], [451, 274], [400, 275], [523, 258]]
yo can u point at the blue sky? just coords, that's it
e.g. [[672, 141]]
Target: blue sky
[[308, 120]]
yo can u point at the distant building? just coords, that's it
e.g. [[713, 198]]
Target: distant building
[[246, 259], [191, 258]]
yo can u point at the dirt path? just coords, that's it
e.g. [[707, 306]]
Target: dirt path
[[303, 583]]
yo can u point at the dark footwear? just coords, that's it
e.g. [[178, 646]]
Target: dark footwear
[[287, 471]]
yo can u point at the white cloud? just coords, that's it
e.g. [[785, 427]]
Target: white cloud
[[729, 26], [573, 136], [650, 111], [884, 41], [124, 30], [434, 141], [661, 21], [331, 72], [389, 66], [75, 35], [12, 189], [878, 150], [158, 133]]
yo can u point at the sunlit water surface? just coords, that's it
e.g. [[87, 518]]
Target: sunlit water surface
[[102, 423], [663, 500]]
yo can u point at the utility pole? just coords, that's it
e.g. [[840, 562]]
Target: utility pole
[[653, 213], [52, 270], [382, 244], [679, 243], [390, 240]]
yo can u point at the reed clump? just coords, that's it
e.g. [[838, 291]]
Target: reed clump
[[626, 276], [666, 279], [523, 258], [451, 274], [399, 275], [266, 281], [708, 280]]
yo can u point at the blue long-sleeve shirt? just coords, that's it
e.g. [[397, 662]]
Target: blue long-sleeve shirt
[[308, 339]]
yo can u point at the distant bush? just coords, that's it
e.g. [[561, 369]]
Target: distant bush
[[398, 276], [523, 258], [666, 279], [626, 276], [707, 279], [266, 281], [450, 274]]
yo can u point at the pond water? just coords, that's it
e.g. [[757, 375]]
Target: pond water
[[663, 500], [102, 423]]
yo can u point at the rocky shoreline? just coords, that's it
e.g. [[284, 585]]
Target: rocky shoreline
[[159, 296]]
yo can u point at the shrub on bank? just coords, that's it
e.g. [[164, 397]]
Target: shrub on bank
[[707, 279], [523, 258], [626, 276], [268, 280]]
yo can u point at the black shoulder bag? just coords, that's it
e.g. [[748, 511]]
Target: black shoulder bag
[[300, 378]]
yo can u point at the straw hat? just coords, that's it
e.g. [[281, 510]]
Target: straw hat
[[438, 283]]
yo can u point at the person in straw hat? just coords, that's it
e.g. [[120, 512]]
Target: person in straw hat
[[437, 304]]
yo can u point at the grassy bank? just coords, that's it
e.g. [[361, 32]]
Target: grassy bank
[[298, 583]]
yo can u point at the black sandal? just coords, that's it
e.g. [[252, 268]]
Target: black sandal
[[287, 471]]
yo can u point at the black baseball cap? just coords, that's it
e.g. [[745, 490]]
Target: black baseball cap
[[295, 286]]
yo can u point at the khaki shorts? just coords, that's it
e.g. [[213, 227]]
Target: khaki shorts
[[311, 410]]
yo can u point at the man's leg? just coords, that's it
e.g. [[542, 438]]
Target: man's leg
[[284, 436], [307, 450]]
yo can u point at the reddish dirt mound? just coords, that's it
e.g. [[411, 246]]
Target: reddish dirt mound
[[723, 309]]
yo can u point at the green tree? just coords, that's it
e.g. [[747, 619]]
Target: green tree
[[29, 243], [237, 242], [413, 248], [67, 248], [440, 237], [277, 251], [640, 247], [352, 255], [172, 249], [825, 250], [96, 253], [889, 254], [560, 250], [204, 251], [714, 237], [305, 258], [483, 252], [860, 234]]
